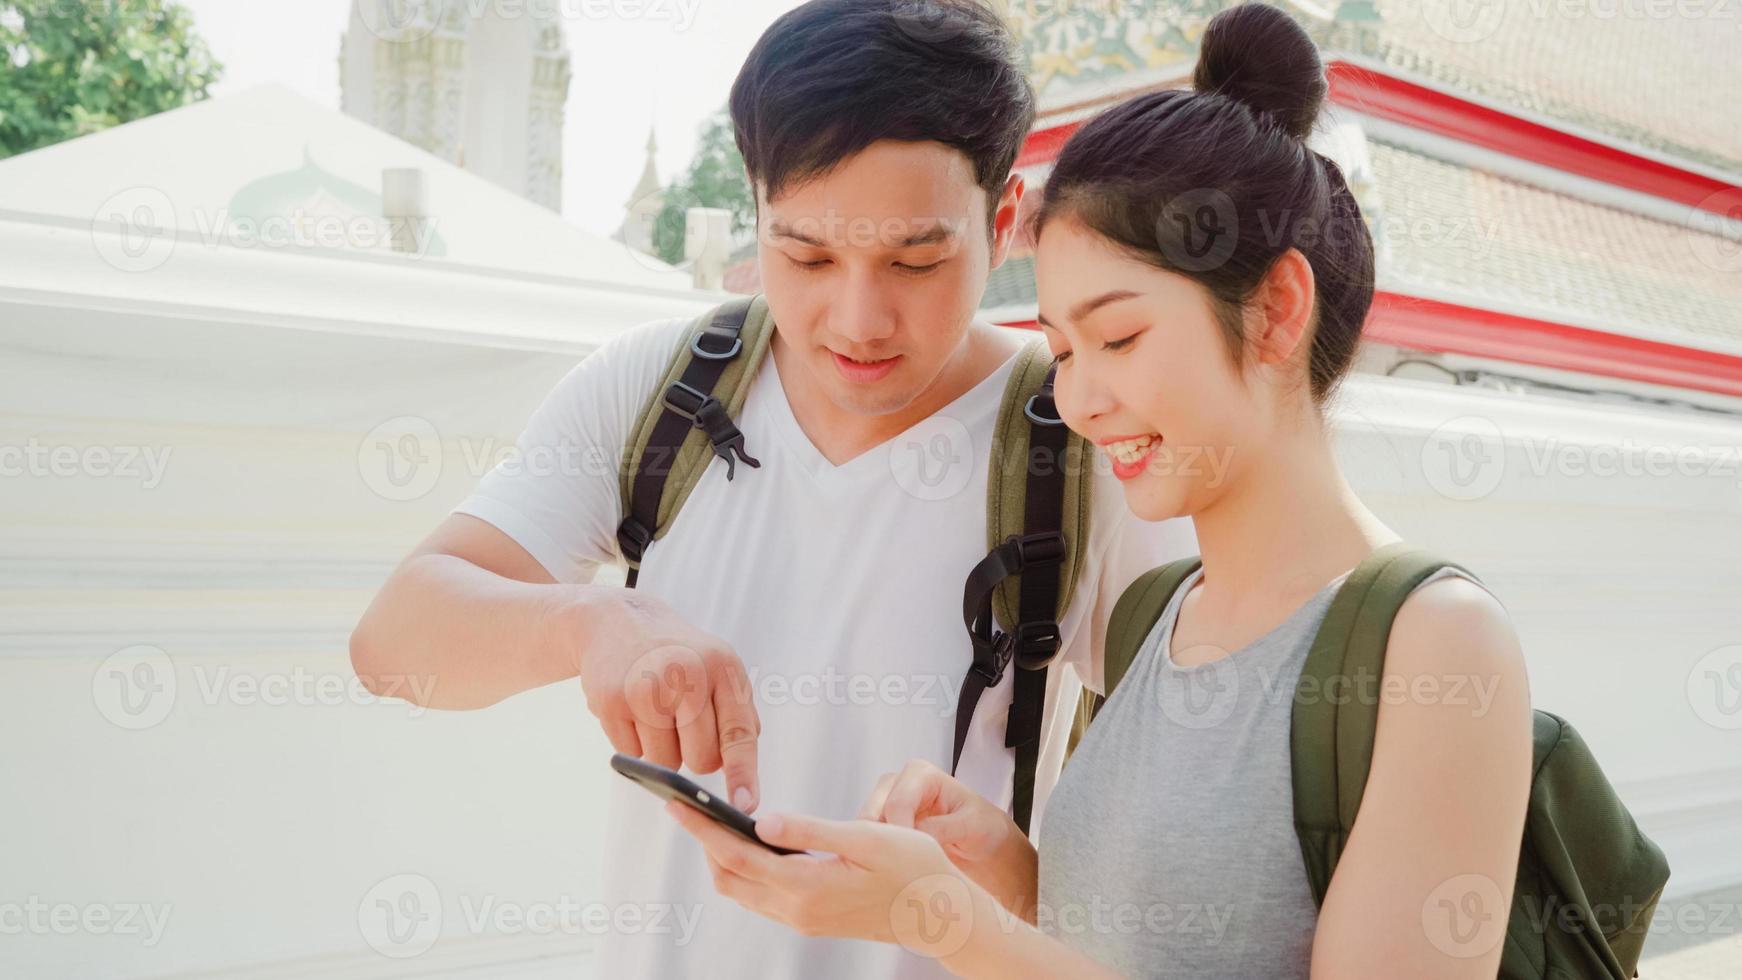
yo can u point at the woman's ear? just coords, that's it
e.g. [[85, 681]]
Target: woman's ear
[[1285, 302]]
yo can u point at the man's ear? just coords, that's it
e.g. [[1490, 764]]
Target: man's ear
[[1285, 301], [1004, 218]]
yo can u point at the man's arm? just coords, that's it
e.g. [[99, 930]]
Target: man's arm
[[475, 618], [494, 601], [470, 618]]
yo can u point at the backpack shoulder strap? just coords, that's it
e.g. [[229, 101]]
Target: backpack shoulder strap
[[1034, 457], [1135, 614], [1039, 491], [1336, 706], [687, 421]]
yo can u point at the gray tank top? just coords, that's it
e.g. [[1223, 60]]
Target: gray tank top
[[1168, 847]]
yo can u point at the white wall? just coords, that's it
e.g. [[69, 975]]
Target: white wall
[[268, 829]]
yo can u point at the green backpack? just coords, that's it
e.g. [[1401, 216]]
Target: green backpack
[[1037, 508], [1588, 879]]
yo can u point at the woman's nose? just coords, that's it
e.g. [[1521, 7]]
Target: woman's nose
[[1081, 398]]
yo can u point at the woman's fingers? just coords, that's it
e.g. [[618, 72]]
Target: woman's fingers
[[753, 895], [851, 839], [873, 808], [916, 793], [959, 833], [731, 852]]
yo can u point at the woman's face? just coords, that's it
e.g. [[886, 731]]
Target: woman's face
[[1146, 374]]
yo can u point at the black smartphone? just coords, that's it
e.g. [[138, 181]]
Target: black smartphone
[[669, 785]]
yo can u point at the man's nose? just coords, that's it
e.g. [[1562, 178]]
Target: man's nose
[[860, 313]]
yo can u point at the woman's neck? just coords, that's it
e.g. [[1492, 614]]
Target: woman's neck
[[1286, 526]]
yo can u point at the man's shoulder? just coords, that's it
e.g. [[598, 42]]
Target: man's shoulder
[[622, 372], [655, 341]]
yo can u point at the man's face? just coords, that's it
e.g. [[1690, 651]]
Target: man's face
[[874, 272]]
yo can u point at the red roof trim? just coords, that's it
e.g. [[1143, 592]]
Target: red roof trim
[[1389, 97], [1432, 325]]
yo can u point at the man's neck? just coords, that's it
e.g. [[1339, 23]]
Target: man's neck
[[841, 435]]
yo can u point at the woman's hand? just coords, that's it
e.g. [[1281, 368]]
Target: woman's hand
[[876, 882], [979, 838]]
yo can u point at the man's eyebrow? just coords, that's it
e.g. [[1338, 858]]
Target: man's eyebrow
[[779, 229], [1089, 306], [930, 236]]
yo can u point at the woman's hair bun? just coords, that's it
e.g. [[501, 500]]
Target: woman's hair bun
[[1257, 54]]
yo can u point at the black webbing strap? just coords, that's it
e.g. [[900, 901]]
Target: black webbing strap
[[1039, 600], [1037, 556], [689, 403]]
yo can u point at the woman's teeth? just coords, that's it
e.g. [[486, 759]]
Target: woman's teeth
[[1131, 450]]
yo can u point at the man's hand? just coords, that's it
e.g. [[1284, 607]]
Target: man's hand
[[672, 694]]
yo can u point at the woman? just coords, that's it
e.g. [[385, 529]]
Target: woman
[[1203, 277]]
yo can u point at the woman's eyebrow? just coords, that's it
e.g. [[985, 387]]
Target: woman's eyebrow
[[1089, 306]]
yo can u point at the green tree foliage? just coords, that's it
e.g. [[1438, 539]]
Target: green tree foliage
[[715, 180], [72, 67]]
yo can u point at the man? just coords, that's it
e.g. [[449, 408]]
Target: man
[[799, 628]]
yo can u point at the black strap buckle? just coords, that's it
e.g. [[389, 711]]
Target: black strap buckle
[[633, 537], [698, 350], [991, 658], [1034, 645], [686, 400], [1039, 403], [707, 414], [1045, 548]]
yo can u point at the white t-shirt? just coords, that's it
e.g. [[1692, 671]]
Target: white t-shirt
[[840, 587]]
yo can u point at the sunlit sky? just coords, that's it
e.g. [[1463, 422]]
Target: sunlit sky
[[668, 67]]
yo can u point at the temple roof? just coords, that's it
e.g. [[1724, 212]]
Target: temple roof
[[1661, 76]]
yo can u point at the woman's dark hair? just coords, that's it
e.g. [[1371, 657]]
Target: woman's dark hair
[[1217, 183], [832, 77]]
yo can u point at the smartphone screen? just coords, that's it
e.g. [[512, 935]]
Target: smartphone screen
[[669, 785]]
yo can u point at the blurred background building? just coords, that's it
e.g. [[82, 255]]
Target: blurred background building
[[482, 89]]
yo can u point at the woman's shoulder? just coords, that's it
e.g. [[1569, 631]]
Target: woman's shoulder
[[1457, 658], [1453, 622]]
